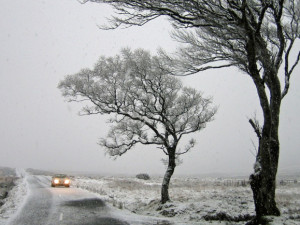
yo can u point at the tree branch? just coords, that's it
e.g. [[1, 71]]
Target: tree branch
[[256, 127]]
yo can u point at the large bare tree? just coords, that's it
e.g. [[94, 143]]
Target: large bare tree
[[256, 36], [150, 106]]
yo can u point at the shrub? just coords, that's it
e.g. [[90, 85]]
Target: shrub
[[143, 176]]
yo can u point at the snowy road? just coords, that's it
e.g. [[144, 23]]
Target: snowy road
[[65, 206]]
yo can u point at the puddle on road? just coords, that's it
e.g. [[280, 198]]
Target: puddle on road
[[102, 221], [85, 203]]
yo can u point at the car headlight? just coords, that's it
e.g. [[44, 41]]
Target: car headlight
[[56, 181], [67, 182]]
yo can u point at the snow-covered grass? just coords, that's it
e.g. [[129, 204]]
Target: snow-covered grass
[[194, 200], [15, 197]]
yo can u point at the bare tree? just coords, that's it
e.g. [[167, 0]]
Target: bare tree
[[256, 36], [150, 107]]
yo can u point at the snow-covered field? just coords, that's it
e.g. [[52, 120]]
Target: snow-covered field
[[194, 200]]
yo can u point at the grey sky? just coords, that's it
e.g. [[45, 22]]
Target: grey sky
[[42, 41]]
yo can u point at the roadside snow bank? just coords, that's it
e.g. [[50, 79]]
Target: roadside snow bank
[[193, 200], [15, 197]]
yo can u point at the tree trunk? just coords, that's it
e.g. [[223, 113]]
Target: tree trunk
[[263, 180], [166, 181]]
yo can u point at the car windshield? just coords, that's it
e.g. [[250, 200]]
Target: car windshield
[[60, 176]]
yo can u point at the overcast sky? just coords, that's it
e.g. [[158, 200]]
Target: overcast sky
[[42, 41]]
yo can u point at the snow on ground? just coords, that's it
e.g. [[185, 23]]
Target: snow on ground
[[194, 200], [15, 197]]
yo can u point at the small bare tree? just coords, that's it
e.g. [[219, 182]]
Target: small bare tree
[[255, 36], [149, 106]]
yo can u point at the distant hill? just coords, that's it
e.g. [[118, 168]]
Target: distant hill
[[7, 171], [40, 172]]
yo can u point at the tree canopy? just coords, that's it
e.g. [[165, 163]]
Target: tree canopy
[[149, 106]]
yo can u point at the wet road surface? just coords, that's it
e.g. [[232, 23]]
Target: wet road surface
[[64, 206]]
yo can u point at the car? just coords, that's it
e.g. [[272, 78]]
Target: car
[[60, 180]]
